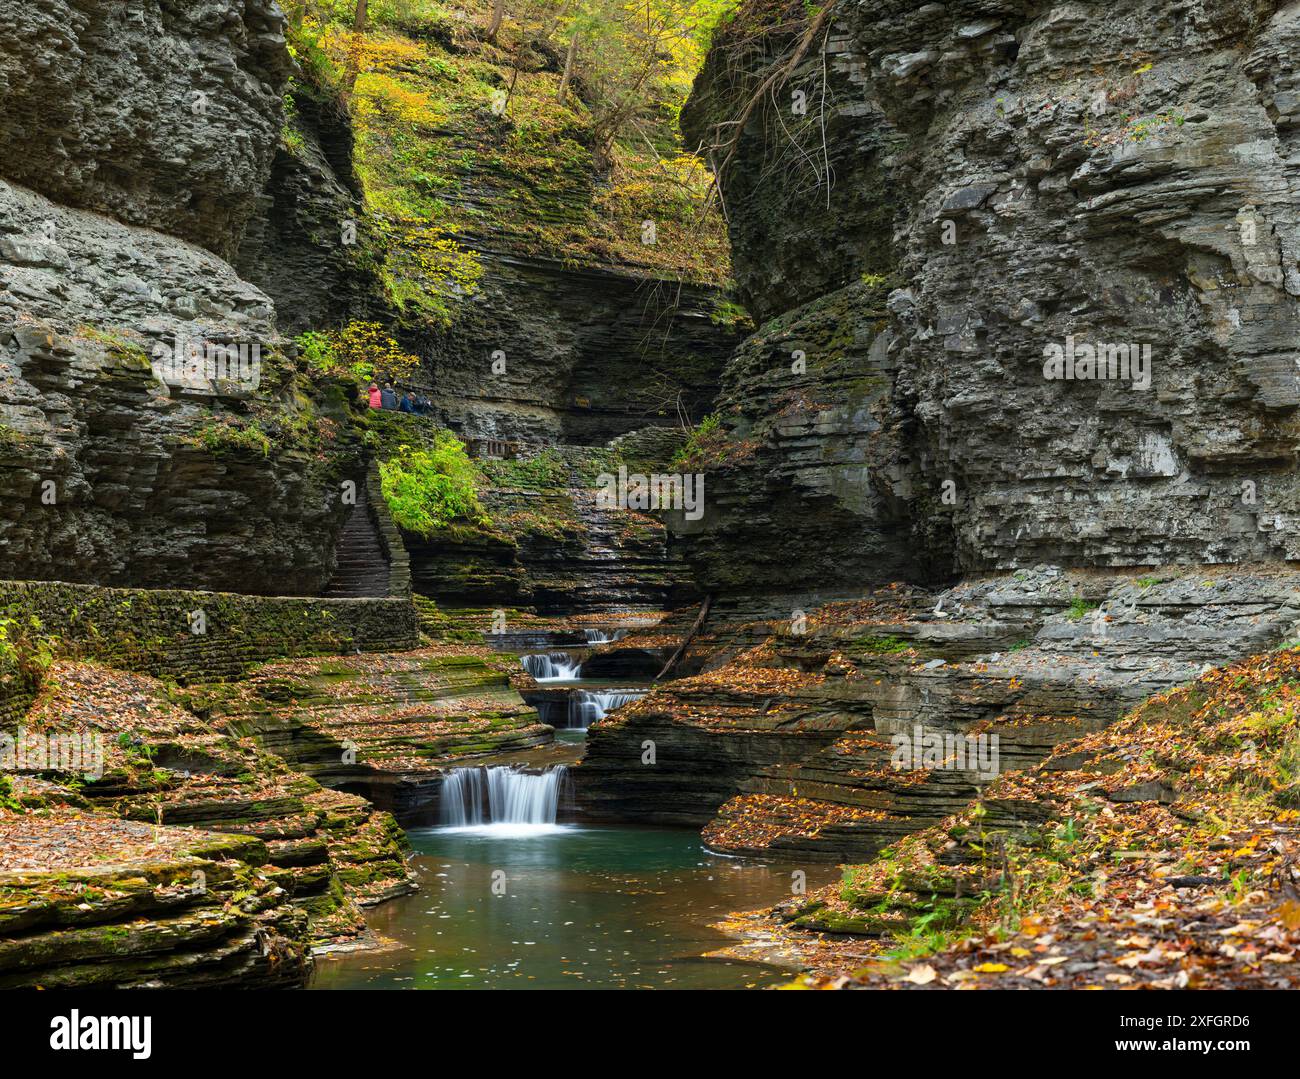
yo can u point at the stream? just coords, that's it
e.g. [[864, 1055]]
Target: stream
[[514, 895]]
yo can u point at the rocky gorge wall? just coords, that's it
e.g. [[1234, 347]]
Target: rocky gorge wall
[[582, 354], [139, 144], [909, 526], [1094, 174], [159, 115]]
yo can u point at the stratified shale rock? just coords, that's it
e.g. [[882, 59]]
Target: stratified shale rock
[[142, 147], [1062, 180], [384, 726], [94, 902], [309, 245], [158, 114], [545, 352], [115, 476], [159, 762], [791, 745], [1057, 176]]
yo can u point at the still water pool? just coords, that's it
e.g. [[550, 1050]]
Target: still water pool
[[564, 907]]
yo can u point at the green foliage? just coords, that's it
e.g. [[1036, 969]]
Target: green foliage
[[542, 472], [729, 313], [229, 434], [418, 18], [1079, 607], [292, 137], [137, 750], [429, 489], [704, 444], [26, 653], [361, 351], [123, 345], [885, 646], [439, 112]]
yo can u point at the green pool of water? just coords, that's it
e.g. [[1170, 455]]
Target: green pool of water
[[565, 908]]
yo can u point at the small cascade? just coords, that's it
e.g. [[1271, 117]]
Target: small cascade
[[462, 798], [599, 636], [551, 666], [586, 706], [488, 797]]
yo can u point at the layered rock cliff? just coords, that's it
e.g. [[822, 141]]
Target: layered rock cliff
[[996, 180], [913, 522], [139, 145]]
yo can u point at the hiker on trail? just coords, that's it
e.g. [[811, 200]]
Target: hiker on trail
[[423, 405], [375, 401], [387, 398], [405, 405]]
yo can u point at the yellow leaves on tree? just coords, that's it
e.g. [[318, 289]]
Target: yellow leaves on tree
[[359, 350], [429, 271]]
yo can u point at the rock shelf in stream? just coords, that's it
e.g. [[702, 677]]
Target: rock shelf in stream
[[386, 725], [98, 902], [166, 763], [787, 742]]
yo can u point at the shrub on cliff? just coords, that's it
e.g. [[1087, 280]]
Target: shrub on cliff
[[360, 350], [429, 489]]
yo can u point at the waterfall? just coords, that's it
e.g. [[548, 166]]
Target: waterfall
[[513, 797], [586, 706], [551, 666], [599, 636], [462, 797]]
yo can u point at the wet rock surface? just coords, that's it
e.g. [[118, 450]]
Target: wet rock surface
[[384, 726], [168, 764], [112, 904]]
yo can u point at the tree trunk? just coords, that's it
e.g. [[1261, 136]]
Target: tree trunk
[[568, 66], [681, 648], [358, 29], [498, 13]]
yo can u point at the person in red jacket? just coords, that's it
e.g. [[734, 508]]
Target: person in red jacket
[[374, 396]]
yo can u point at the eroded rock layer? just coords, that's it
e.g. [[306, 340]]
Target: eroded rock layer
[[789, 739], [1119, 177]]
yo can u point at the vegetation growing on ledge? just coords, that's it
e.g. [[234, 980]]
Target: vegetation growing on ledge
[[706, 444], [1155, 853], [360, 351], [429, 489], [553, 131]]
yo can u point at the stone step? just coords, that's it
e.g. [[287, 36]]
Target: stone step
[[360, 568]]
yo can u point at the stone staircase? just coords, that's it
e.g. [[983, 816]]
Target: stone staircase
[[362, 568]]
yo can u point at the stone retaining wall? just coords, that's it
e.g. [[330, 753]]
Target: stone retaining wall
[[154, 631]]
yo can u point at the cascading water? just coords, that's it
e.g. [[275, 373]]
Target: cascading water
[[586, 706], [551, 666], [599, 636], [502, 798]]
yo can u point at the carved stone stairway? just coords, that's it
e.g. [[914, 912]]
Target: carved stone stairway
[[362, 568]]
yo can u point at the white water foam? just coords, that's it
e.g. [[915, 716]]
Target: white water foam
[[502, 801], [588, 705], [551, 666]]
